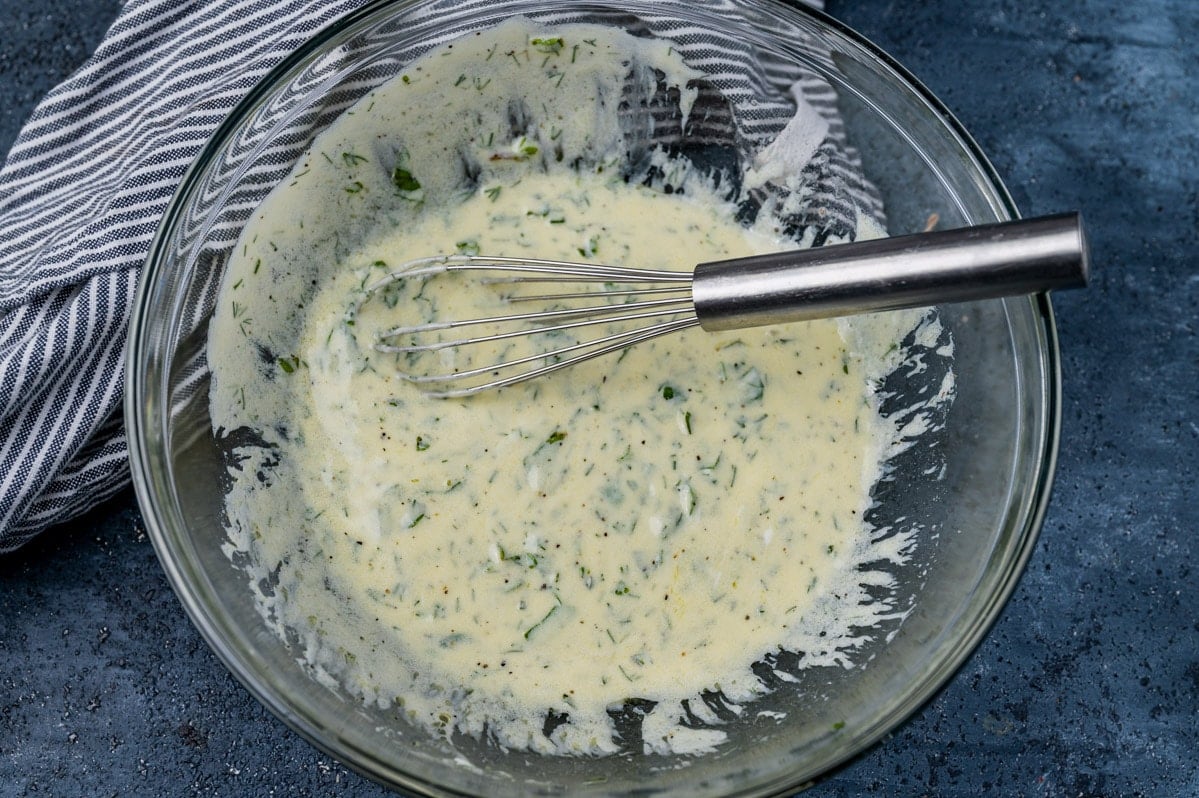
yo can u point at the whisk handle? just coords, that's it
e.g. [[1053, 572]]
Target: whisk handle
[[984, 262]]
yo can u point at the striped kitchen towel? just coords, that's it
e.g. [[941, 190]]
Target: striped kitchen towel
[[81, 194]]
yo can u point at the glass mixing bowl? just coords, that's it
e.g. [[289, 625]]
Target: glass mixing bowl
[[978, 513]]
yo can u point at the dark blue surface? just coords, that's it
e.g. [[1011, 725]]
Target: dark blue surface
[[1089, 683]]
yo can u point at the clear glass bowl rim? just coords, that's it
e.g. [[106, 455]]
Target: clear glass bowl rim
[[985, 608]]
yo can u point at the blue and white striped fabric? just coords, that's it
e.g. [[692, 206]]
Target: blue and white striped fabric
[[81, 194]]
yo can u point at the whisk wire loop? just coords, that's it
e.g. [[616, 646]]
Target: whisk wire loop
[[591, 349], [520, 268], [596, 314], [622, 298]]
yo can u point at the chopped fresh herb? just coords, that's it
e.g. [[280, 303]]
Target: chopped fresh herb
[[548, 44], [416, 520], [352, 158], [422, 443], [537, 625], [289, 364], [523, 149], [753, 384], [404, 180], [667, 392], [556, 437], [493, 193]]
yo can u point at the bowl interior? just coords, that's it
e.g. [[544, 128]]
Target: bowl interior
[[975, 490]]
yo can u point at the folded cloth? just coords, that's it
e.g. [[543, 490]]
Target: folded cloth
[[81, 194]]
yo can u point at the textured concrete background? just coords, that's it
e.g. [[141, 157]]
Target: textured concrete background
[[1089, 683]]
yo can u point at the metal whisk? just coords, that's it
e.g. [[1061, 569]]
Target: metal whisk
[[629, 306]]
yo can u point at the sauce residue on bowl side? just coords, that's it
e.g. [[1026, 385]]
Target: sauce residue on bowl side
[[646, 526]]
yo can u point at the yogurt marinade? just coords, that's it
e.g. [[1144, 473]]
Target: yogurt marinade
[[640, 527]]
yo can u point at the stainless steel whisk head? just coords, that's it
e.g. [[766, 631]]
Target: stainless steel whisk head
[[603, 309], [658, 299]]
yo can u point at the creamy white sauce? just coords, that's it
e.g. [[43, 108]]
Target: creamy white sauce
[[644, 526]]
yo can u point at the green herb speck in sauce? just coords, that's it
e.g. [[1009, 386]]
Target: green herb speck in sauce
[[537, 625], [403, 179], [289, 365], [548, 44]]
